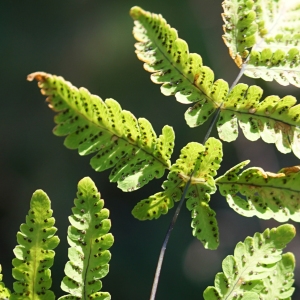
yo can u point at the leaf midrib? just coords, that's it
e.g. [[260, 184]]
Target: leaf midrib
[[260, 116], [256, 186], [76, 111]]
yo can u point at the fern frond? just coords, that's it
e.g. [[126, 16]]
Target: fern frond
[[270, 31], [4, 292], [89, 240], [204, 161], [34, 254], [278, 285], [255, 262], [121, 142], [181, 73], [268, 195], [273, 119]]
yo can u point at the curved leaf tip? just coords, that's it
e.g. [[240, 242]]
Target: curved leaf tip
[[135, 12]]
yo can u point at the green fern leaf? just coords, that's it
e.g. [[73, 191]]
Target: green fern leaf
[[273, 119], [121, 142], [268, 195], [271, 29], [4, 292], [239, 28], [278, 285], [181, 73], [282, 66], [34, 254], [200, 162], [254, 262], [89, 240]]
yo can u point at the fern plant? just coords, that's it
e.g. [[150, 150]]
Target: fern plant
[[263, 40], [89, 241]]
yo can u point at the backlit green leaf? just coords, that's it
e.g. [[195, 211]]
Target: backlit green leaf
[[255, 262], [200, 163], [278, 285], [273, 119], [268, 195], [34, 254], [121, 142], [181, 73], [90, 240]]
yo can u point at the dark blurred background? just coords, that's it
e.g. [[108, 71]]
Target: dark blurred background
[[90, 43]]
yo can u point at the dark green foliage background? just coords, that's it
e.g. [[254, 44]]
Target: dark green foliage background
[[90, 43]]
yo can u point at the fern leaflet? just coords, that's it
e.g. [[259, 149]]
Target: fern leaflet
[[122, 142], [248, 274], [270, 31], [278, 285], [269, 195], [89, 240], [34, 254], [273, 119], [181, 73], [4, 292], [204, 161]]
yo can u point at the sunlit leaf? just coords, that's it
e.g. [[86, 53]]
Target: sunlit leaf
[[255, 262], [268, 195], [120, 141]]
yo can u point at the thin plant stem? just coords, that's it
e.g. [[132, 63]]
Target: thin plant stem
[[175, 216], [172, 224], [164, 245], [239, 76]]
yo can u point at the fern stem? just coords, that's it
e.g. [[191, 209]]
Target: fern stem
[[239, 75], [166, 240], [213, 121], [174, 219]]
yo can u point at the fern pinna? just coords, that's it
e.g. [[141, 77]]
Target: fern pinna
[[257, 270], [90, 240], [34, 254], [182, 74], [201, 162], [122, 142]]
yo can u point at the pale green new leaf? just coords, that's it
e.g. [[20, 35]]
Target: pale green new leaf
[[89, 240], [4, 292], [255, 261], [181, 73], [120, 141], [200, 163], [278, 285], [34, 254], [273, 119], [270, 30], [268, 195]]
